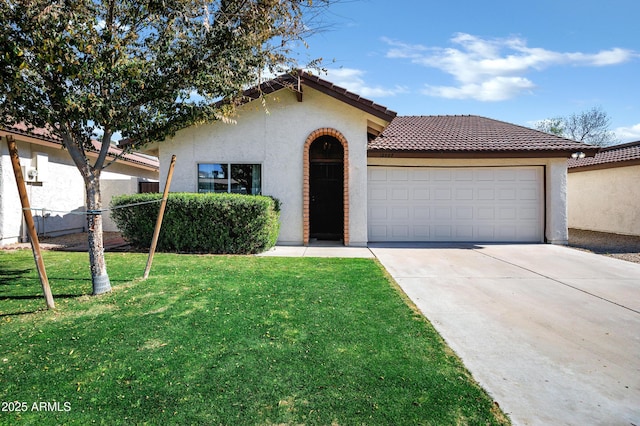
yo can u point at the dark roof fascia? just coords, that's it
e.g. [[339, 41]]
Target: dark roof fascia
[[294, 82], [347, 97], [383, 153], [621, 146], [603, 166], [266, 88]]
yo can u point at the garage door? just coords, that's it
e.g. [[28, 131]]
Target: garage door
[[483, 204]]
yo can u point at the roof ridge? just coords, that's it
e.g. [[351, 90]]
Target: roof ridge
[[540, 131]]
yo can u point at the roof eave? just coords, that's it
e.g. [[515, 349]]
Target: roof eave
[[348, 97], [602, 166], [51, 142], [388, 153], [295, 83]]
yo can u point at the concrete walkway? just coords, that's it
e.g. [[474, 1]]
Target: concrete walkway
[[552, 333], [319, 251]]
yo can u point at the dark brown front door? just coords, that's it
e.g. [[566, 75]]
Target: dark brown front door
[[326, 189], [326, 207]]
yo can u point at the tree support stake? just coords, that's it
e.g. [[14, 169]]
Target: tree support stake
[[28, 217], [156, 232]]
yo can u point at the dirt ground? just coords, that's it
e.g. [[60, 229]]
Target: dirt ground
[[623, 247], [73, 242]]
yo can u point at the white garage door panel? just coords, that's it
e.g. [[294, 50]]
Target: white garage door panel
[[456, 204]]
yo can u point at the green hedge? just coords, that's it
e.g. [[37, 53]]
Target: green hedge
[[200, 223]]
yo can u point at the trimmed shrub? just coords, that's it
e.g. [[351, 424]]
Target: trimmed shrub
[[200, 223]]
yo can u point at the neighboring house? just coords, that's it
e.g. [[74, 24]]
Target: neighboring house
[[55, 185], [348, 169], [604, 191]]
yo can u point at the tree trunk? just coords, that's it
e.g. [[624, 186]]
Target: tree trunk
[[91, 175], [99, 277]]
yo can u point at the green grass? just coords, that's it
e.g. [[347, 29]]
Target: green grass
[[230, 340]]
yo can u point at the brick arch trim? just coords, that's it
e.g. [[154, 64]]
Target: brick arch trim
[[325, 131]]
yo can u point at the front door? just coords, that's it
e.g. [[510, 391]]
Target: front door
[[326, 189], [326, 208]]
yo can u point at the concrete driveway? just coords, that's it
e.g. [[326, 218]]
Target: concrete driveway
[[552, 333]]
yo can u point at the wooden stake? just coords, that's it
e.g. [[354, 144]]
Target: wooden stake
[[156, 232], [28, 217]]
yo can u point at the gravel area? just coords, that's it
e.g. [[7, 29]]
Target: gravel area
[[623, 247]]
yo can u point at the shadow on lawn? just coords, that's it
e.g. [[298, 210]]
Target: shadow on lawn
[[30, 300], [17, 314], [9, 277], [19, 285], [40, 296], [33, 297], [19, 276]]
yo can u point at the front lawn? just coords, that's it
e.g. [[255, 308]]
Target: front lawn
[[237, 340]]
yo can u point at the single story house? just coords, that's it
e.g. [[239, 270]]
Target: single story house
[[604, 190], [348, 169], [55, 186]]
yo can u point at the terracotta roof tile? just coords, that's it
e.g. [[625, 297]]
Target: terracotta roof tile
[[46, 135], [468, 133], [39, 133], [611, 156]]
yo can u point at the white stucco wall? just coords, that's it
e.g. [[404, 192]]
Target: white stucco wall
[[555, 184], [275, 139], [60, 191], [606, 200], [557, 226]]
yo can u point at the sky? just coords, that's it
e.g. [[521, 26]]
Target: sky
[[515, 61]]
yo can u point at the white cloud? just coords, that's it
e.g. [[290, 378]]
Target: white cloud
[[352, 80], [495, 89], [628, 134], [494, 69]]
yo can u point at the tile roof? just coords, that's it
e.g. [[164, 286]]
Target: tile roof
[[469, 133], [610, 156], [45, 135], [38, 133], [297, 79]]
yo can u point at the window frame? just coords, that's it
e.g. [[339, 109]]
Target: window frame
[[229, 165]]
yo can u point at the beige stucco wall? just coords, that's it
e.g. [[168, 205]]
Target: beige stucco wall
[[118, 179], [60, 191], [275, 138], [555, 184], [606, 200]]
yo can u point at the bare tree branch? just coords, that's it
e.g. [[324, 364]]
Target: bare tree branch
[[590, 126]]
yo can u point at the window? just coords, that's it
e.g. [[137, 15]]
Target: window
[[226, 177]]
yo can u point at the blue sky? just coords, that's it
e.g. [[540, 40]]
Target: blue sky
[[510, 60]]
